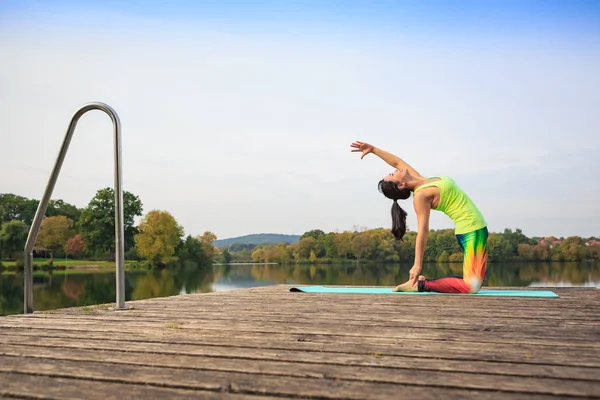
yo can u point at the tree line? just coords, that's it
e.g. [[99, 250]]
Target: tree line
[[379, 245], [90, 232], [159, 239]]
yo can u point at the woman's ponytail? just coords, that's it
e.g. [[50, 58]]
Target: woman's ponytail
[[391, 191], [398, 220]]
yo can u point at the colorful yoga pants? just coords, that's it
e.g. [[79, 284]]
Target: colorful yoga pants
[[474, 246]]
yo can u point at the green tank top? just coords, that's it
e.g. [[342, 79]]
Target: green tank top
[[457, 205]]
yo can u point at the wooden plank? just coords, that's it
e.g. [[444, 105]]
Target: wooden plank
[[452, 385], [412, 336], [323, 304], [341, 354], [286, 341], [303, 364], [482, 333], [17, 385], [334, 316]]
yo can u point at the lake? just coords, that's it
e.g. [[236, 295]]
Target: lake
[[73, 288]]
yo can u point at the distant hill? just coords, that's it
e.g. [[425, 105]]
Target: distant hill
[[258, 238]]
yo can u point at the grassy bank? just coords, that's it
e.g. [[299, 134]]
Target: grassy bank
[[68, 263]]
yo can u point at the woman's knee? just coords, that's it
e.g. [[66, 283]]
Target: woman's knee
[[474, 284]]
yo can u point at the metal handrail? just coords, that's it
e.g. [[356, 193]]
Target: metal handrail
[[43, 205]]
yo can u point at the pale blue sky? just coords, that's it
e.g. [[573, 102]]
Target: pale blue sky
[[237, 117]]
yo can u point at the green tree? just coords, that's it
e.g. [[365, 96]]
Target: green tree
[[192, 251], [226, 256], [19, 208], [444, 257], [331, 250], [362, 245], [406, 247], [306, 245], [59, 207], [381, 245], [343, 242], [446, 241], [13, 237], [515, 239], [315, 234], [159, 236], [54, 233], [594, 252], [526, 252], [573, 249], [97, 221], [319, 246], [499, 249], [457, 257]]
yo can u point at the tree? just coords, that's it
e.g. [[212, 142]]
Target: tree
[[362, 245], [594, 251], [192, 251], [526, 251], [306, 246], [315, 234], [59, 207], [13, 236], [159, 236], [226, 256], [207, 240], [573, 249], [54, 233], [259, 255], [319, 246], [446, 241], [97, 221], [516, 238], [444, 257], [279, 254], [499, 249], [74, 246], [331, 250], [542, 252], [19, 208], [344, 243]]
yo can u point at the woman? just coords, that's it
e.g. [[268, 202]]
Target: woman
[[433, 193]]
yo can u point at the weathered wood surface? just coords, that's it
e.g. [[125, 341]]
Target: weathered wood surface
[[266, 343]]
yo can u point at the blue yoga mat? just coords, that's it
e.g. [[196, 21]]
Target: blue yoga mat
[[385, 290]]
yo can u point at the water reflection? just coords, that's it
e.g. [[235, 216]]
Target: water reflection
[[61, 289]]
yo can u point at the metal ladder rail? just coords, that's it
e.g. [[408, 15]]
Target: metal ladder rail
[[43, 205]]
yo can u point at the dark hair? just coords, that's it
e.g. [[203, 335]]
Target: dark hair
[[393, 192]]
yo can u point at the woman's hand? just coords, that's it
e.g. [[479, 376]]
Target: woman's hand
[[414, 273], [363, 147]]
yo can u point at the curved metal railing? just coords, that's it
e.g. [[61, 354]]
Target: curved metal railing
[[41, 210]]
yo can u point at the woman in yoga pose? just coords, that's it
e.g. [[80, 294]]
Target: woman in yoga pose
[[433, 193]]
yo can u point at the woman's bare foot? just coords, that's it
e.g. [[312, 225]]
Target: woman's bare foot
[[406, 287]]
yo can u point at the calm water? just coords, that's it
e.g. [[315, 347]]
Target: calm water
[[61, 289]]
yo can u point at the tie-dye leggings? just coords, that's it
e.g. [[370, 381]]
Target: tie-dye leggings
[[474, 246]]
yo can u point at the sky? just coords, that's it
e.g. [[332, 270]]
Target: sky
[[237, 116]]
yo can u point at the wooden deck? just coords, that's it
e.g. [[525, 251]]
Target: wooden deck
[[265, 343]]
